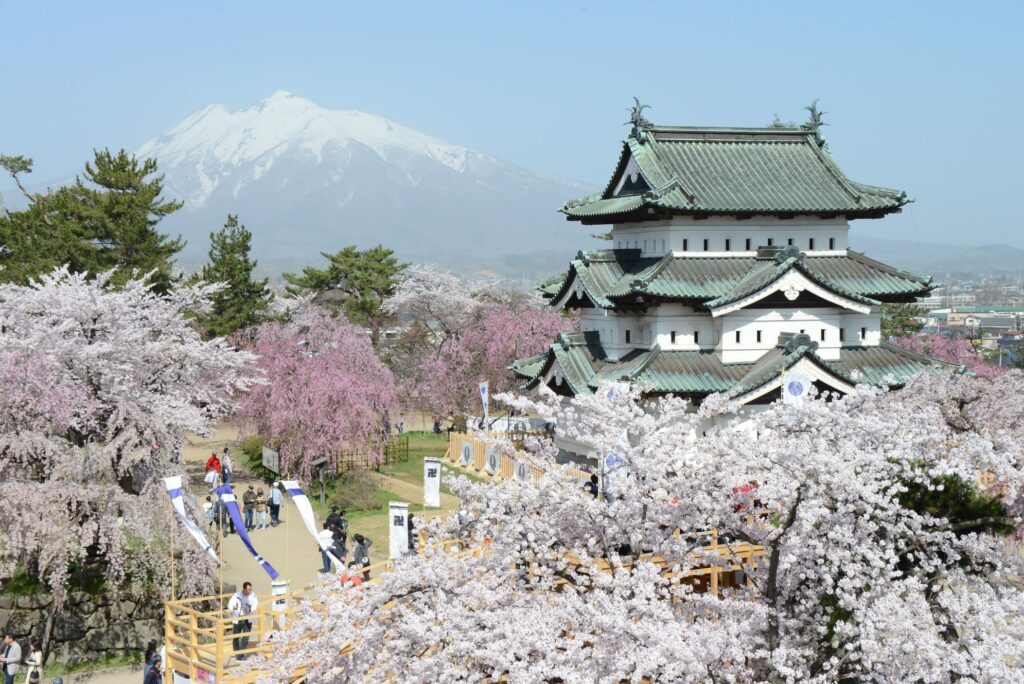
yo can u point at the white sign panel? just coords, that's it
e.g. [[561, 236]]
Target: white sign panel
[[432, 482], [271, 460], [398, 523]]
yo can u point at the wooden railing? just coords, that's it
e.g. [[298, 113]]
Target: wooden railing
[[199, 635]]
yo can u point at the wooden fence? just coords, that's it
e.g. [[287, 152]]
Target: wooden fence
[[470, 453]]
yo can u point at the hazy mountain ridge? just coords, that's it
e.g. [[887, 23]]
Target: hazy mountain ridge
[[939, 259]]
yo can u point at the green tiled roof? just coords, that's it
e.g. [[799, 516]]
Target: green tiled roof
[[702, 171], [699, 373], [612, 278]]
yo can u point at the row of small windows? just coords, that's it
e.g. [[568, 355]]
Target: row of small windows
[[757, 335], [747, 244]]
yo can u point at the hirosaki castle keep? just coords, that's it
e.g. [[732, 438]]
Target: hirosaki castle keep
[[728, 266]]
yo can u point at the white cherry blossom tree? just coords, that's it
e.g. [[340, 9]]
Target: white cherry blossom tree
[[883, 560]]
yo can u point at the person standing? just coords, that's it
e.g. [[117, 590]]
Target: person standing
[[147, 658], [11, 658], [400, 425], [276, 499], [34, 674], [261, 511], [591, 486], [361, 554], [208, 509], [155, 674], [227, 467], [249, 502], [325, 541], [242, 604]]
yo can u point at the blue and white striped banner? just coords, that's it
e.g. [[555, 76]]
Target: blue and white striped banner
[[228, 497], [306, 513], [173, 485]]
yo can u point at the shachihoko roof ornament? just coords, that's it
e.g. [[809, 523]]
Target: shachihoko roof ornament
[[638, 120], [814, 122]]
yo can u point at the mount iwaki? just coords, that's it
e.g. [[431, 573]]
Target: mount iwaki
[[305, 179]]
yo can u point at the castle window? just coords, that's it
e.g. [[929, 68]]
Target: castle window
[[789, 242], [758, 335], [747, 244], [737, 337], [831, 243], [728, 245], [705, 244], [672, 336], [842, 334], [696, 337], [810, 243], [627, 337], [822, 334], [645, 246], [662, 245], [636, 244], [771, 242], [863, 334], [686, 245]]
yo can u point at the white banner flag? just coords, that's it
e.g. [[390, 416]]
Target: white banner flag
[[795, 387], [432, 482], [485, 398], [174, 491], [306, 513], [398, 522]]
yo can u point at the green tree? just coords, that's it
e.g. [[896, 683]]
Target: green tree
[[104, 220], [243, 301], [901, 320], [355, 282]]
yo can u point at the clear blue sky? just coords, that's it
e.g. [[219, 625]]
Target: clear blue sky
[[923, 96]]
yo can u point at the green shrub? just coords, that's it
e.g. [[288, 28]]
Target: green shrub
[[356, 490], [252, 447]]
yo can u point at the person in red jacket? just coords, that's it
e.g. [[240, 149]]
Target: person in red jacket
[[213, 463]]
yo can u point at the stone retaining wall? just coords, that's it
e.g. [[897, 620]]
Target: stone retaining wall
[[88, 627]]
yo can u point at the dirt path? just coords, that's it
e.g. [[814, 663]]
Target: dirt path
[[289, 547]]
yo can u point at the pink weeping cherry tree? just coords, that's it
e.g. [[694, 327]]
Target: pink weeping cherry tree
[[465, 332], [100, 386], [327, 393], [951, 350], [883, 560]]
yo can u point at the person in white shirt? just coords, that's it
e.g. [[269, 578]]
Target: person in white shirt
[[241, 604], [325, 540], [227, 467], [34, 673]]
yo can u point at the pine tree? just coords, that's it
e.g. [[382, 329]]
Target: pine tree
[[243, 301], [106, 220], [354, 282], [901, 320]]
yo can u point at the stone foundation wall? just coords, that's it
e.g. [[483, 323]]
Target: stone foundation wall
[[88, 627]]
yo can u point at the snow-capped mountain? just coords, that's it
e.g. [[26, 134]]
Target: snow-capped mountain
[[306, 179]]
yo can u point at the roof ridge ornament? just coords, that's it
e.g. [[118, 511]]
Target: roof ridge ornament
[[814, 122], [788, 252], [792, 343], [637, 119]]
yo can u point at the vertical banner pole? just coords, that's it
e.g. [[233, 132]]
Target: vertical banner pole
[[287, 538], [172, 555], [220, 536]]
